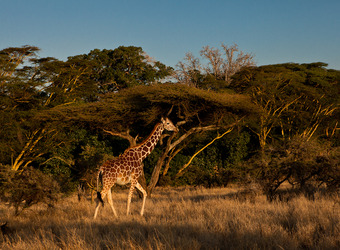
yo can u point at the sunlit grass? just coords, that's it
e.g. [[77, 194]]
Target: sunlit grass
[[181, 218]]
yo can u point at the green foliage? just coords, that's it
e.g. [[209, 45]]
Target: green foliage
[[89, 152], [53, 115], [78, 157], [17, 89], [121, 68], [297, 99], [219, 163], [144, 105], [29, 84], [137, 109], [21, 98], [300, 102]]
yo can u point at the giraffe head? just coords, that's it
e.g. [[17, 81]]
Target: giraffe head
[[168, 125]]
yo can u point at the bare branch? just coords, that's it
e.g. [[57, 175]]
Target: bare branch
[[190, 132], [215, 60], [199, 151], [125, 135], [170, 111], [235, 60]]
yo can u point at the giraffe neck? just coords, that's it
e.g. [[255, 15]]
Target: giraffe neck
[[146, 147]]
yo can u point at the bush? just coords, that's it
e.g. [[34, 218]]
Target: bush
[[26, 188], [306, 164]]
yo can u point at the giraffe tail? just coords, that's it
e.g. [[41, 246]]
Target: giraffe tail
[[100, 178]]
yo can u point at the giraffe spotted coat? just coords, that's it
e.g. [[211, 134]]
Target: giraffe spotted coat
[[128, 167]]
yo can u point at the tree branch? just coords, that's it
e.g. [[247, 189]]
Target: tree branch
[[192, 131], [125, 135]]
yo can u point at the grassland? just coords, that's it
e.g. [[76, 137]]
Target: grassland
[[181, 218]]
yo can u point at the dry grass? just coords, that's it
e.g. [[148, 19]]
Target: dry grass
[[182, 218]]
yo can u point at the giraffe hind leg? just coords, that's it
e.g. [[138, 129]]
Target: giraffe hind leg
[[100, 198], [96, 211], [133, 184], [109, 198], [98, 205]]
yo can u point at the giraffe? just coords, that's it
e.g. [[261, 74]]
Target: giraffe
[[128, 167]]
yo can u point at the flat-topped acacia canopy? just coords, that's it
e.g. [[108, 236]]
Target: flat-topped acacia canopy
[[146, 104]]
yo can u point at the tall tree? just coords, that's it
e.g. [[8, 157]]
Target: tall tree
[[18, 90], [189, 71], [21, 98], [123, 67], [296, 98], [217, 72], [235, 61], [300, 104]]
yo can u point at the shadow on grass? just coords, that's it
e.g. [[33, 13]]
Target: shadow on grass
[[241, 196], [134, 234]]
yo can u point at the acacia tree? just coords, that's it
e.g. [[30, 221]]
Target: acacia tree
[[20, 99], [18, 90], [29, 85], [83, 78], [296, 99], [299, 104], [22, 140], [133, 112]]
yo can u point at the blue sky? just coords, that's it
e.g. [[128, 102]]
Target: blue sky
[[274, 31]]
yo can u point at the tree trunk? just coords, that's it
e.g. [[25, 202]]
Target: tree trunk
[[155, 173]]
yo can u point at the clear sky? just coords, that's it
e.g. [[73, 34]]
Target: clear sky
[[274, 31]]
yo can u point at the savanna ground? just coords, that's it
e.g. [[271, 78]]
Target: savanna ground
[[179, 218]]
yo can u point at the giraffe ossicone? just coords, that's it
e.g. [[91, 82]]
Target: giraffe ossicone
[[128, 167]]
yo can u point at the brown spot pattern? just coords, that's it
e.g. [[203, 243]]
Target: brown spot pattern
[[128, 167]]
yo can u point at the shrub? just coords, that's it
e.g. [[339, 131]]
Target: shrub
[[26, 188], [306, 164]]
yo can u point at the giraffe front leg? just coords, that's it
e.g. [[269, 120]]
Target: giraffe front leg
[[140, 188]]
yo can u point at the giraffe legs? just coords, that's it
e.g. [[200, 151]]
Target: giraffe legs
[[107, 191], [140, 188]]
